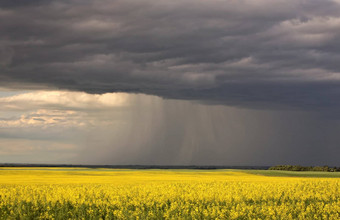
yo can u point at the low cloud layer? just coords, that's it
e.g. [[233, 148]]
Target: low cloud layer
[[243, 53], [41, 127]]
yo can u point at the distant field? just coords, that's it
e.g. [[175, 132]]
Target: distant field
[[76, 193], [293, 173]]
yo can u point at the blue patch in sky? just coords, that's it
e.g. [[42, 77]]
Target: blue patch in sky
[[8, 93]]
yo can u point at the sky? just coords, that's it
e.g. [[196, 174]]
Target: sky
[[183, 82]]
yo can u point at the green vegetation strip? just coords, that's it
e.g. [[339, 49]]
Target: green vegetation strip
[[293, 173]]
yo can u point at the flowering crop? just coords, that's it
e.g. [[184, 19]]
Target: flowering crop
[[52, 193]]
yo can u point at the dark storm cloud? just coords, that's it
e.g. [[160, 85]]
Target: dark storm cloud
[[245, 53], [21, 3]]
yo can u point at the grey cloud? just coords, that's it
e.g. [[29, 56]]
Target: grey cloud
[[21, 3], [244, 53]]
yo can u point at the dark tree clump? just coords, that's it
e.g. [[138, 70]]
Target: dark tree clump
[[302, 168]]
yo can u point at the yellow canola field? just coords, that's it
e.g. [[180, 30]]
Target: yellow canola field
[[52, 193]]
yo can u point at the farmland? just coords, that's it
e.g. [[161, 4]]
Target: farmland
[[80, 193]]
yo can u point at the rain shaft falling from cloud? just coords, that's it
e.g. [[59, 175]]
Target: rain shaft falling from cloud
[[120, 128], [172, 132]]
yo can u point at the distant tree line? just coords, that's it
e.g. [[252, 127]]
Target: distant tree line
[[302, 168]]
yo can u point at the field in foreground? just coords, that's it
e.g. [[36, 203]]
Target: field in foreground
[[76, 193]]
